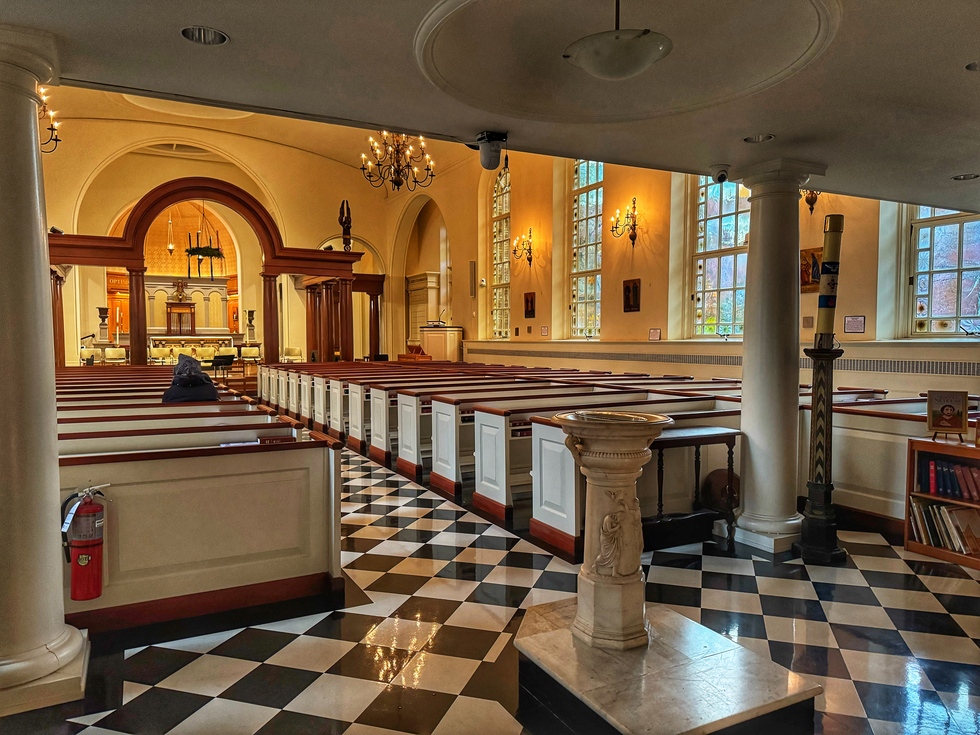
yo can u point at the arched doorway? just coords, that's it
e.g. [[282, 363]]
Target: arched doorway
[[422, 256], [128, 251]]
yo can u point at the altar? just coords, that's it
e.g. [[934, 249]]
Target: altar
[[191, 307]]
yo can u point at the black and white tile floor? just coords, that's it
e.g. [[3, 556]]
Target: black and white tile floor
[[892, 637]]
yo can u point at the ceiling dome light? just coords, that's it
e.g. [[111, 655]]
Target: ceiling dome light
[[204, 35], [965, 177], [763, 138], [973, 66], [618, 54]]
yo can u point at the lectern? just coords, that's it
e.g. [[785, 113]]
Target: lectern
[[180, 318]]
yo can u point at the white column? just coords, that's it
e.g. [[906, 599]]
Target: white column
[[34, 640], [771, 352]]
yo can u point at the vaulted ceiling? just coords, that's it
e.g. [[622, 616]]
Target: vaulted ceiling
[[876, 90]]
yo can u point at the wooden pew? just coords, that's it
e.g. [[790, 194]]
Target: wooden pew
[[557, 497], [162, 420], [188, 531], [118, 442], [503, 438], [415, 415], [453, 422]]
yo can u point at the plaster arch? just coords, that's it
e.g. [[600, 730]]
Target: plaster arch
[[269, 203], [337, 242], [397, 330]]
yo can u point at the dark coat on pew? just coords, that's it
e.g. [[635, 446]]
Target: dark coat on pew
[[190, 384]]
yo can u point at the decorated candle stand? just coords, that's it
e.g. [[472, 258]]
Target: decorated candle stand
[[818, 542]]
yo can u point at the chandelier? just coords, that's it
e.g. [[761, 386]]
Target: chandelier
[[395, 161], [51, 144]]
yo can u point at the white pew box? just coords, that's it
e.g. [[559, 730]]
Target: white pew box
[[190, 533]]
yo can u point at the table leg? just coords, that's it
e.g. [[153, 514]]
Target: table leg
[[660, 484], [697, 477]]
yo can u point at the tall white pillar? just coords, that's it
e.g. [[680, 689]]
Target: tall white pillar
[[771, 356], [36, 647]]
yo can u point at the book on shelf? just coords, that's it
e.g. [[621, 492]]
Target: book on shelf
[[956, 529], [945, 479]]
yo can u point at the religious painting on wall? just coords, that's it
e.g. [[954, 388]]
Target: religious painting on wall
[[529, 305], [631, 295], [810, 261]]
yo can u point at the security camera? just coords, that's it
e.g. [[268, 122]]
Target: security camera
[[719, 172], [490, 144]]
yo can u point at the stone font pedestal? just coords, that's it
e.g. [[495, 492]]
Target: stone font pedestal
[[611, 448]]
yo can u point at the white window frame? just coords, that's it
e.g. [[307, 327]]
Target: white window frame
[[702, 292], [500, 255], [920, 283], [580, 277]]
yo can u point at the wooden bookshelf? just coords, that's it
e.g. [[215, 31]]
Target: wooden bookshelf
[[967, 454]]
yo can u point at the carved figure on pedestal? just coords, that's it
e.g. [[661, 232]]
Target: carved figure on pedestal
[[620, 541]]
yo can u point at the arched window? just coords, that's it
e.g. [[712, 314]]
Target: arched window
[[945, 270], [501, 255], [586, 268], [720, 253]]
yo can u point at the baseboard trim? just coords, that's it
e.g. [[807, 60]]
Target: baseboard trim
[[444, 486], [205, 603], [571, 545], [492, 507], [409, 469], [380, 456]]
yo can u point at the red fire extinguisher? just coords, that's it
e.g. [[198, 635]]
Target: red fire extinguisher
[[82, 532]]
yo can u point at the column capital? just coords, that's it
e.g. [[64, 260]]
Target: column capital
[[780, 171], [31, 51], [136, 271]]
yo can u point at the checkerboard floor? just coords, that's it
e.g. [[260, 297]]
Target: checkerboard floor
[[891, 636]]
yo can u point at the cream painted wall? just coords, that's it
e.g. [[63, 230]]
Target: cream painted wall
[[857, 293], [530, 207]]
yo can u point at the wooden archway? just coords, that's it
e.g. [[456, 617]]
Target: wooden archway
[[127, 252]]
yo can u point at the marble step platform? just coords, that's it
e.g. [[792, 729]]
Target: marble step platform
[[688, 679]]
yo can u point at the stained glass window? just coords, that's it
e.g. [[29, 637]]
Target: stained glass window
[[586, 286], [720, 256], [945, 272], [500, 292]]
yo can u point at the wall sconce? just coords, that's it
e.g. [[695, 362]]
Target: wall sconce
[[619, 229], [522, 247], [51, 144], [810, 196]]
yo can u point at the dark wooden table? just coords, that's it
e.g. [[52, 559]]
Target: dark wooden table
[[697, 437]]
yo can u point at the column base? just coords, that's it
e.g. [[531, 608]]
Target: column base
[[820, 555], [67, 684], [774, 543], [611, 615]]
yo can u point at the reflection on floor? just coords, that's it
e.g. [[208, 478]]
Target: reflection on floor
[[892, 637]]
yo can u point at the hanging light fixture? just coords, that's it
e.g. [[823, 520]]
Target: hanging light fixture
[[395, 158], [51, 144], [620, 53], [619, 229], [523, 246], [170, 234], [810, 196]]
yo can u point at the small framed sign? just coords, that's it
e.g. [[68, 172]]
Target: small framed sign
[[853, 325], [654, 335], [544, 331], [946, 412]]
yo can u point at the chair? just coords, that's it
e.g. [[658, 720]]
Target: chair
[[90, 356], [233, 351], [205, 354], [115, 356], [250, 354], [292, 354], [160, 356], [189, 351]]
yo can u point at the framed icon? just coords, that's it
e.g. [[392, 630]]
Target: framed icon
[[631, 295], [529, 305]]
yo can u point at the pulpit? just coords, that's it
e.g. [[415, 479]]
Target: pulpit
[[442, 342], [180, 318]]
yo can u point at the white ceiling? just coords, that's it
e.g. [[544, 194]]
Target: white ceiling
[[883, 100]]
